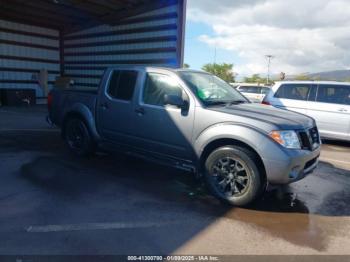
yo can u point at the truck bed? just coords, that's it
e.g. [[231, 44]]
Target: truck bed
[[64, 100]]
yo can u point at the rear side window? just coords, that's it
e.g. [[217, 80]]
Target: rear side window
[[157, 86], [122, 84], [294, 91], [334, 94]]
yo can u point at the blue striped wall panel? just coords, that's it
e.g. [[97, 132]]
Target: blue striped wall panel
[[153, 41], [24, 50], [151, 38]]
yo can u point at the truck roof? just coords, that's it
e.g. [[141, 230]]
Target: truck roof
[[155, 67]]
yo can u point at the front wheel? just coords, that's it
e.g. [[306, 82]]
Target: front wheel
[[78, 138], [232, 175]]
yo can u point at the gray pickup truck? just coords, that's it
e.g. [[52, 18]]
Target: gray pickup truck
[[190, 120]]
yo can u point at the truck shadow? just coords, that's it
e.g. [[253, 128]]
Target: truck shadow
[[71, 190], [295, 214], [345, 144], [107, 188]]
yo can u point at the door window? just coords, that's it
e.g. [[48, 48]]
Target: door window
[[157, 86], [122, 84], [294, 91], [334, 94], [265, 90]]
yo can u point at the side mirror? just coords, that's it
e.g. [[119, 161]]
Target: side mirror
[[175, 101]]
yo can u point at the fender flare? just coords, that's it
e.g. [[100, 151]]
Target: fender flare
[[252, 136], [82, 111]]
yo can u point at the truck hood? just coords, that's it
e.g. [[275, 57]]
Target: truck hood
[[282, 119]]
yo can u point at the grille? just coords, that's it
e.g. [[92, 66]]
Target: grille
[[309, 139]]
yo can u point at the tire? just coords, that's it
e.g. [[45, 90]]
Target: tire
[[78, 137], [232, 175]]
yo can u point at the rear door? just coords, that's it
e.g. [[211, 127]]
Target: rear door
[[331, 110], [293, 97], [115, 108]]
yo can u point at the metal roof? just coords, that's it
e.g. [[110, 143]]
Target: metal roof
[[73, 15]]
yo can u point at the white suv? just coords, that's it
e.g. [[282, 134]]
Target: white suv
[[255, 93], [327, 102]]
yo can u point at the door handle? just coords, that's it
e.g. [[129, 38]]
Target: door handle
[[140, 111], [342, 110]]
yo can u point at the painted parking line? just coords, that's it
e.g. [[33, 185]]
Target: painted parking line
[[22, 110], [96, 226], [29, 130]]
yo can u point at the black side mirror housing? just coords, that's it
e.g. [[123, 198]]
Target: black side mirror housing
[[175, 101]]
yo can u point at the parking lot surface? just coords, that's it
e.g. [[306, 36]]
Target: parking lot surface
[[52, 202]]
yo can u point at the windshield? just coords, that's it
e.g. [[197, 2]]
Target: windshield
[[210, 89]]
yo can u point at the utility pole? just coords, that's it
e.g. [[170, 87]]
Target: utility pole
[[215, 54], [269, 57]]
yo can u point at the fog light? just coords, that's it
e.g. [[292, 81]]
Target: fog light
[[294, 173]]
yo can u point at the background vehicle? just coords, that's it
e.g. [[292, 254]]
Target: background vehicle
[[190, 120], [254, 93], [327, 102], [234, 85]]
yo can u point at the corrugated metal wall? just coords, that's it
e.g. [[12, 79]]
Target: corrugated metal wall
[[150, 38], [24, 50]]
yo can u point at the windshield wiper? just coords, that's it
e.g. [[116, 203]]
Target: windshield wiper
[[225, 103], [236, 102], [215, 103]]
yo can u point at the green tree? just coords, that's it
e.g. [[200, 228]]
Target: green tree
[[255, 78], [186, 65], [224, 71]]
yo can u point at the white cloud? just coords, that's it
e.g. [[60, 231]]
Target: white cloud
[[304, 36]]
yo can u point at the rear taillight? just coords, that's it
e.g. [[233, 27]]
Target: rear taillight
[[49, 101], [266, 103]]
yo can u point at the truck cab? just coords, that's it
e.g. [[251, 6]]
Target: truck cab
[[138, 108]]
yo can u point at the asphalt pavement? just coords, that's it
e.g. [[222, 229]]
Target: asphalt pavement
[[52, 202]]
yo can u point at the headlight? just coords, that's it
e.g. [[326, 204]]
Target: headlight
[[288, 139]]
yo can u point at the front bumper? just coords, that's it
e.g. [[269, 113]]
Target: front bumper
[[291, 165]]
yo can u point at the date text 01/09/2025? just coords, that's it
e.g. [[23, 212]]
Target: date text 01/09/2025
[[173, 258]]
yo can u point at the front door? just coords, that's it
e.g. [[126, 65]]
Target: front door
[[160, 128]]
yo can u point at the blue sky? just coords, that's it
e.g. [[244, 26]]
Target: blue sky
[[198, 53]]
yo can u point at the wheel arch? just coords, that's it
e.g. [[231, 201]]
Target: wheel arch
[[83, 113], [221, 142], [232, 134]]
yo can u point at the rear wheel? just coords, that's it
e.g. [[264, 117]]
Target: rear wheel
[[232, 175], [78, 137]]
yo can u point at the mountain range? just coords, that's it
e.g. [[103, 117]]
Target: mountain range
[[337, 75]]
